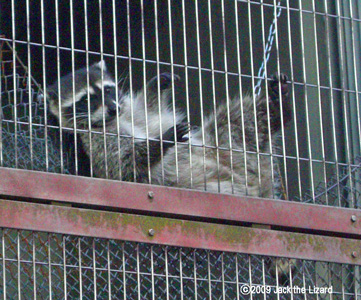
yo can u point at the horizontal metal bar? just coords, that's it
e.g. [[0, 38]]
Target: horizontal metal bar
[[180, 233], [76, 50], [180, 202]]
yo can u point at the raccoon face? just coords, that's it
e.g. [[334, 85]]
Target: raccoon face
[[87, 103], [98, 100]]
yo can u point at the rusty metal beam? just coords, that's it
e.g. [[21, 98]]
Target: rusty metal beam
[[180, 202], [112, 225]]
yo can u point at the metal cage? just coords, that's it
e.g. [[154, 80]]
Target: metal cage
[[65, 233]]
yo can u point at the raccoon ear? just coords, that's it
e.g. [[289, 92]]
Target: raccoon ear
[[101, 65], [50, 94]]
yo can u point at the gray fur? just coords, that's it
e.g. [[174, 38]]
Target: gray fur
[[195, 170], [114, 156], [204, 174]]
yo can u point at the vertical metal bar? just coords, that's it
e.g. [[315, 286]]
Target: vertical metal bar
[[343, 280], [306, 102], [152, 271], [181, 274], [158, 85], [291, 279], [59, 87], [131, 89], [239, 67], [94, 270], [109, 272], [138, 273], [304, 279], [73, 85], [187, 92], [209, 275], [166, 271], [49, 266], [356, 77], [328, 266], [34, 267], [263, 266], [227, 94], [64, 267], [195, 273], [319, 100], [19, 264], [343, 86], [250, 269], [214, 96], [356, 74], [102, 80], [294, 109], [29, 84], [173, 93], [281, 102], [277, 282], [4, 261], [237, 276], [145, 91], [356, 278], [253, 93], [124, 274], [14, 83], [88, 85], [80, 270], [317, 296], [223, 283], [116, 74], [201, 93], [266, 93], [333, 103], [44, 86]]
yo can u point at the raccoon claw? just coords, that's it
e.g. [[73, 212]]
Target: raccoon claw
[[181, 130], [274, 86], [165, 81]]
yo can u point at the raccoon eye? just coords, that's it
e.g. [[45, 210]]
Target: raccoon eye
[[107, 90]]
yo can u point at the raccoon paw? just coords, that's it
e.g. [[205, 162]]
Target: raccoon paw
[[276, 82], [181, 130], [165, 81]]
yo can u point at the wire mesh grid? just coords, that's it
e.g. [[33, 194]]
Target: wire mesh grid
[[24, 142], [54, 266], [339, 190], [306, 172]]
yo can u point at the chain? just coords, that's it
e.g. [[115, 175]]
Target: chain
[[268, 49]]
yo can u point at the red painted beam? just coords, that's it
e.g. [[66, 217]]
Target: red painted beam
[[181, 202], [218, 237]]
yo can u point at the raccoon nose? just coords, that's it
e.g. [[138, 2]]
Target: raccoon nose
[[112, 110]]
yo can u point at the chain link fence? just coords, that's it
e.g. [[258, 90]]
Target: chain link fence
[[55, 266]]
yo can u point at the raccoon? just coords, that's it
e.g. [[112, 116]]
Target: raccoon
[[219, 165], [115, 156]]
